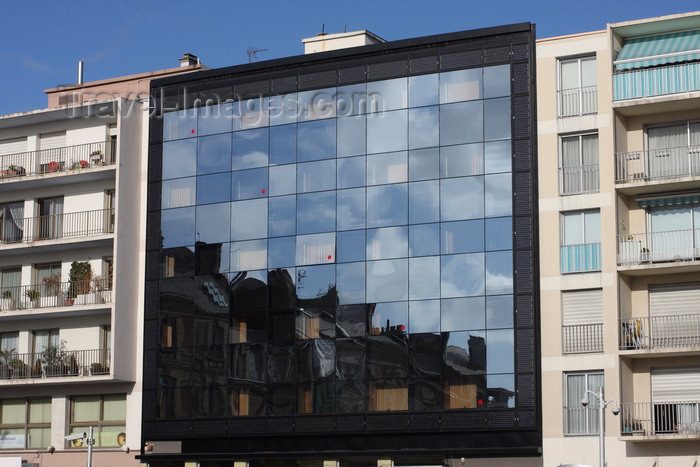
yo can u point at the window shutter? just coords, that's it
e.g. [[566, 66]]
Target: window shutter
[[582, 307], [675, 384], [674, 299], [13, 146]]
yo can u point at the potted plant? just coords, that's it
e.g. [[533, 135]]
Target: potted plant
[[56, 359], [76, 166], [6, 302], [15, 170], [18, 368], [5, 371], [644, 255], [96, 157], [98, 289], [52, 288], [80, 278], [36, 370], [98, 369], [33, 296]]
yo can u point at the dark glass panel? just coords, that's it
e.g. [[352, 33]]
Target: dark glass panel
[[316, 212], [282, 289], [247, 362], [250, 149], [459, 314], [247, 399], [213, 223], [312, 323], [462, 275], [249, 292], [316, 359], [282, 327], [174, 402], [212, 302], [283, 144], [316, 140], [316, 286], [351, 397], [425, 395], [179, 261], [177, 295], [214, 154], [499, 233], [179, 158], [465, 353], [247, 184], [351, 359], [387, 357], [426, 355], [281, 363], [465, 392], [213, 401], [352, 320], [213, 188], [177, 227], [317, 396]]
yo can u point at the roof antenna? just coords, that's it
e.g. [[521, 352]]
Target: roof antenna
[[252, 51], [323, 30], [345, 28]]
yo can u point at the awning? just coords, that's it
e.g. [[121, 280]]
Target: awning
[[659, 50], [668, 201]]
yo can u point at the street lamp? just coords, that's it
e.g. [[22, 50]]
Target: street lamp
[[602, 403]]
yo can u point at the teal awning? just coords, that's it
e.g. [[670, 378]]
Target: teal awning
[[667, 201], [662, 49]]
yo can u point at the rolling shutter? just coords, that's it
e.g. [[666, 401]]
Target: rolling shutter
[[674, 299], [13, 146], [675, 384], [49, 141], [582, 307]]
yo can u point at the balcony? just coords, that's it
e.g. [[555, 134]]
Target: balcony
[[578, 101], [580, 258], [582, 338], [656, 81], [65, 363], [58, 226], [68, 159], [578, 180], [660, 333], [51, 294], [658, 247], [659, 420], [656, 165]]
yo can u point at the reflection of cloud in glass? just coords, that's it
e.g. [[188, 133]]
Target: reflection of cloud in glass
[[391, 242], [424, 316], [462, 275], [387, 280], [499, 348]]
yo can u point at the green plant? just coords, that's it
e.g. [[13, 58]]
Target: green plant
[[6, 355], [98, 368], [80, 276], [76, 166], [6, 294], [32, 294], [56, 355]]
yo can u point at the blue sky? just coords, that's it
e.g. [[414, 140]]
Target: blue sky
[[42, 41]]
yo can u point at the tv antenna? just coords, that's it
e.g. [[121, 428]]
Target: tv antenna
[[252, 51]]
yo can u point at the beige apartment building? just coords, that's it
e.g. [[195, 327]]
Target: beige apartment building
[[619, 187]]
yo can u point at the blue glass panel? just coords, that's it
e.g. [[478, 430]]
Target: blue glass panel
[[424, 278], [387, 205], [179, 124], [352, 136], [423, 126], [499, 272], [497, 118], [497, 156], [179, 158], [498, 195], [351, 283], [351, 209], [424, 202], [281, 252], [351, 246], [178, 227], [316, 140], [455, 129], [213, 223], [316, 282], [316, 212], [250, 148], [462, 237], [499, 233], [316, 176], [246, 184], [461, 160], [423, 90], [500, 351], [424, 316], [387, 131], [214, 119], [462, 198], [424, 164], [214, 188], [351, 172], [283, 216], [387, 280], [283, 180], [387, 243], [424, 239], [462, 275], [496, 81], [499, 311], [214, 154], [283, 144], [249, 219]]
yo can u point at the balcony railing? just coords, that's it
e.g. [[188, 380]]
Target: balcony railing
[[578, 101], [578, 180], [658, 247], [582, 338], [658, 81], [70, 159], [660, 418], [660, 332], [657, 164], [580, 258], [68, 225], [56, 294], [66, 363]]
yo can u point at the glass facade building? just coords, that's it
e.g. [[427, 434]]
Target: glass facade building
[[340, 255]]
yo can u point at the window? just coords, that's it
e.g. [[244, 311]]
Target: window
[[50, 221], [580, 249], [582, 321], [106, 414], [44, 339], [10, 287], [110, 201], [25, 423], [675, 232], [47, 281], [9, 342], [579, 164], [675, 394], [581, 420], [674, 150], [12, 222], [577, 87]]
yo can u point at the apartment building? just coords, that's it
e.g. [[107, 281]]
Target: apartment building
[[341, 258], [72, 210], [619, 130]]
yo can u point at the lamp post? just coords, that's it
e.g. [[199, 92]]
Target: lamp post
[[602, 403]]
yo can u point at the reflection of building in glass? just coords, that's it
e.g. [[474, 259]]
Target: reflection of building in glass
[[339, 270]]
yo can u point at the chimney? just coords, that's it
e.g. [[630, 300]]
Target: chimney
[[342, 40], [188, 60], [80, 72]]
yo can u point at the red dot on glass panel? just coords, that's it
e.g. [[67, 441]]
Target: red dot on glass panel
[[262, 191], [402, 327], [480, 402], [192, 131], [329, 256]]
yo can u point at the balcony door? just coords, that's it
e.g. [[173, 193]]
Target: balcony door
[[675, 394], [10, 287], [675, 232], [674, 311], [12, 222], [674, 150], [50, 218], [577, 87]]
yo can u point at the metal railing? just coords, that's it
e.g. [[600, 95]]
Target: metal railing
[[68, 225], [658, 247], [54, 294], [656, 81], [660, 332], [579, 420], [660, 418], [582, 338], [578, 101], [65, 363], [70, 159], [657, 164], [580, 258], [579, 180]]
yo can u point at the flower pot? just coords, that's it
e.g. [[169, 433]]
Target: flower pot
[[7, 304]]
